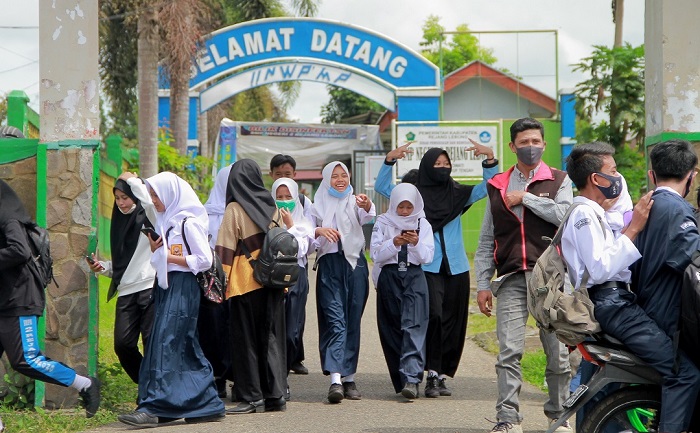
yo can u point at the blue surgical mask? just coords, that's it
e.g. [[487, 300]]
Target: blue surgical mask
[[286, 204], [338, 194], [615, 188]]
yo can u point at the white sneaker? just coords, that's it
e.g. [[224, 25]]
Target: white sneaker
[[564, 428], [506, 427]]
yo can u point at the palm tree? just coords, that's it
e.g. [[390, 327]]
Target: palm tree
[[148, 43]]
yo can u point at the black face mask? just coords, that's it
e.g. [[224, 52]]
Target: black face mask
[[441, 174], [615, 188]]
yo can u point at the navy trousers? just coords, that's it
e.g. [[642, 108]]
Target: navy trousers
[[402, 319], [341, 296], [621, 317]]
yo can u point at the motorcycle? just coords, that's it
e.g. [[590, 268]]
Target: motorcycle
[[632, 408]]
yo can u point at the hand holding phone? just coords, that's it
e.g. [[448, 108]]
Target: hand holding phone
[[148, 231], [90, 260]]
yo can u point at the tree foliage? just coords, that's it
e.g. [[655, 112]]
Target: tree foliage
[[610, 108], [345, 103], [615, 88], [457, 49]]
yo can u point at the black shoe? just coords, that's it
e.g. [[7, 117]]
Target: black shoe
[[431, 387], [287, 394], [299, 368], [275, 404], [410, 391], [335, 393], [350, 391], [139, 419], [208, 418], [443, 389], [244, 407], [91, 397]]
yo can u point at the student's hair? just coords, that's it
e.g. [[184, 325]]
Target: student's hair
[[673, 159], [697, 197], [280, 159], [586, 159], [525, 124], [411, 176]]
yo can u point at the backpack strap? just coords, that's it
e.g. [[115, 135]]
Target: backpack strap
[[560, 231], [184, 238]]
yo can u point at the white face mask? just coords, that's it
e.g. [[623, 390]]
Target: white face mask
[[129, 211]]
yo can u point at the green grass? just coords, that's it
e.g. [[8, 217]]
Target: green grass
[[118, 391], [533, 365]]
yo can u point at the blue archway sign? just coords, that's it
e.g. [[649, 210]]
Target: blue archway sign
[[255, 53]]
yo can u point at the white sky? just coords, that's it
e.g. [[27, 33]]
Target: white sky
[[580, 24]]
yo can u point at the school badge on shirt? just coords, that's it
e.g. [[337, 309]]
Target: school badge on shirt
[[176, 249]]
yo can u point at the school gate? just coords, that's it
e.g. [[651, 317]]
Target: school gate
[[256, 53]]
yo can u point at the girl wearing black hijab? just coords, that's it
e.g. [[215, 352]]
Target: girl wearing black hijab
[[448, 274], [130, 270], [22, 301], [257, 313]]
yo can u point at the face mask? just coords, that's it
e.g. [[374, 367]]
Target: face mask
[[615, 188], [286, 204], [441, 174], [337, 194], [529, 155], [129, 211]]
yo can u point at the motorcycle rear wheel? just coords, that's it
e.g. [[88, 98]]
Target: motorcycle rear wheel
[[630, 409]]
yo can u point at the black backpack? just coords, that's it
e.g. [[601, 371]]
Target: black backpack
[[277, 266], [41, 263], [689, 323]]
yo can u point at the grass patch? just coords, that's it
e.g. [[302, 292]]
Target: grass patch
[[533, 366], [118, 391]]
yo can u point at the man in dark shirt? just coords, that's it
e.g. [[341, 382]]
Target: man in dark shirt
[[667, 245]]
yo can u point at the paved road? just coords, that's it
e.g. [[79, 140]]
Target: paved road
[[380, 410]]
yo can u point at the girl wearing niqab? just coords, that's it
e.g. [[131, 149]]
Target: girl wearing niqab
[[257, 323]]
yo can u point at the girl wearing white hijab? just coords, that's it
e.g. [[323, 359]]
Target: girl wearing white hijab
[[285, 191], [176, 380], [342, 284], [216, 203], [402, 240]]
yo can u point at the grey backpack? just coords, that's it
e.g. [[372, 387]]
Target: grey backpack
[[569, 314]]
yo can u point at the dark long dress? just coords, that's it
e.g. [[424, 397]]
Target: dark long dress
[[176, 380]]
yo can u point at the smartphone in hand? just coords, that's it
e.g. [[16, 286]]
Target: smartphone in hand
[[90, 260], [417, 231], [148, 231]]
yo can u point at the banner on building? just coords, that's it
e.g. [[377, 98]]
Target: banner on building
[[311, 145], [454, 139]]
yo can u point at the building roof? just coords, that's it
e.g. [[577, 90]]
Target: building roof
[[479, 69]]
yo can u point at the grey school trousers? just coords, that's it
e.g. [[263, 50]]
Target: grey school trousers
[[511, 317]]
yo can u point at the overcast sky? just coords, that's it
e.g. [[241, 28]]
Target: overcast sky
[[580, 24]]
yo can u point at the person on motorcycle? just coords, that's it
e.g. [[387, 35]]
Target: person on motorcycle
[[586, 246]]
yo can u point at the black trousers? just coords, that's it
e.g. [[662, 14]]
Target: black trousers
[[133, 318], [213, 330], [447, 322], [620, 316], [295, 314], [258, 341]]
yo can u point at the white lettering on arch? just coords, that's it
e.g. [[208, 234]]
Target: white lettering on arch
[[273, 42], [253, 43], [397, 66], [318, 40], [381, 58], [234, 49], [363, 53], [334, 45]]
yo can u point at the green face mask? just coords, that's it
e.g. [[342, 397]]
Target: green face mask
[[286, 204]]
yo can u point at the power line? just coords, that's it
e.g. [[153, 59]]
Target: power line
[[18, 67], [19, 27], [17, 54]]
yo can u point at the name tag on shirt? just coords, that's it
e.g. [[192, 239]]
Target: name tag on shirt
[[176, 250], [544, 194]]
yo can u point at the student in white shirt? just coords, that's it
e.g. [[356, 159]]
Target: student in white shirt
[[176, 380], [402, 240], [342, 284]]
